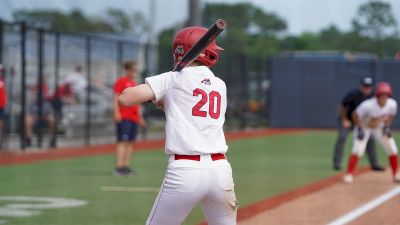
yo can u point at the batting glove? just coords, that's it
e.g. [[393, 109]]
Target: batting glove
[[387, 132], [360, 133]]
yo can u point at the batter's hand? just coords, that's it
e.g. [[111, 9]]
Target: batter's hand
[[346, 123], [360, 133], [160, 105], [387, 131]]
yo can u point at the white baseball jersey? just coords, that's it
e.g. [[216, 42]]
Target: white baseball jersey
[[370, 109], [77, 81], [195, 105]]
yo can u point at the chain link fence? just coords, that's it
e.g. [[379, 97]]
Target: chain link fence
[[37, 65]]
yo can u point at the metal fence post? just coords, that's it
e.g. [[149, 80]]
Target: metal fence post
[[58, 114], [120, 56], [88, 91], [268, 94], [243, 90], [227, 71], [1, 40], [40, 86], [23, 84]]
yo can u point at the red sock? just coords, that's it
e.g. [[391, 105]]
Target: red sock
[[352, 163], [393, 163]]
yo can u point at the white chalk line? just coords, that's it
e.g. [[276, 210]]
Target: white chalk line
[[129, 189], [366, 207]]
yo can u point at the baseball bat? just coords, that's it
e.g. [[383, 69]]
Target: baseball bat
[[201, 44]]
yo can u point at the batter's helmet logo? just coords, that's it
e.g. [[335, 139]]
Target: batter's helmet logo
[[179, 50]]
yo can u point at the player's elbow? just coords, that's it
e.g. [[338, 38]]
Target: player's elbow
[[124, 100]]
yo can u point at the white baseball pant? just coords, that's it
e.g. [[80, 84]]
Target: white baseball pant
[[188, 182], [388, 143]]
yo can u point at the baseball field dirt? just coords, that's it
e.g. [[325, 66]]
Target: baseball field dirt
[[335, 201]]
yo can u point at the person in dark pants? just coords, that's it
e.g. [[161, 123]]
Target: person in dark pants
[[127, 118], [345, 123]]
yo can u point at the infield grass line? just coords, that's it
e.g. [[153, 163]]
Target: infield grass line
[[366, 207]]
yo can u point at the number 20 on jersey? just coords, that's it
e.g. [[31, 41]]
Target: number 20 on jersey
[[214, 99]]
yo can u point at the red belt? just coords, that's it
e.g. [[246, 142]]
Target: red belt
[[214, 157]]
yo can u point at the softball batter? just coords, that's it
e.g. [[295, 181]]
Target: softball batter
[[194, 101]]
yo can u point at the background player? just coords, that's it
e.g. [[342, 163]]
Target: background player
[[374, 117], [346, 125], [195, 103], [127, 119]]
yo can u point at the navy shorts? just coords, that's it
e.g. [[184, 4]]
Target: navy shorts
[[126, 130], [2, 114]]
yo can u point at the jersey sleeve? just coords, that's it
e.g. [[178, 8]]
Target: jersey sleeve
[[160, 84], [362, 109]]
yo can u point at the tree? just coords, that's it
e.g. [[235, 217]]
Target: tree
[[120, 20], [331, 38], [306, 41], [74, 21], [376, 20], [249, 31], [165, 62], [115, 21]]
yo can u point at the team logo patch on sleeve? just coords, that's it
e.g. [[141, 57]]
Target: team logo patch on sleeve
[[206, 81]]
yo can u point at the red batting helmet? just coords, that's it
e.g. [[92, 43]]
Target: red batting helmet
[[383, 88], [187, 37]]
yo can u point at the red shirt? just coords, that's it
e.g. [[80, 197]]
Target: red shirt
[[127, 112], [63, 91], [3, 95], [45, 91]]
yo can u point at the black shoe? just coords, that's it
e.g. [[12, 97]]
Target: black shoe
[[337, 168], [28, 142], [119, 172], [52, 143], [123, 171], [128, 170], [378, 168]]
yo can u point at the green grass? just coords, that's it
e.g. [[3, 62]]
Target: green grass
[[262, 167]]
